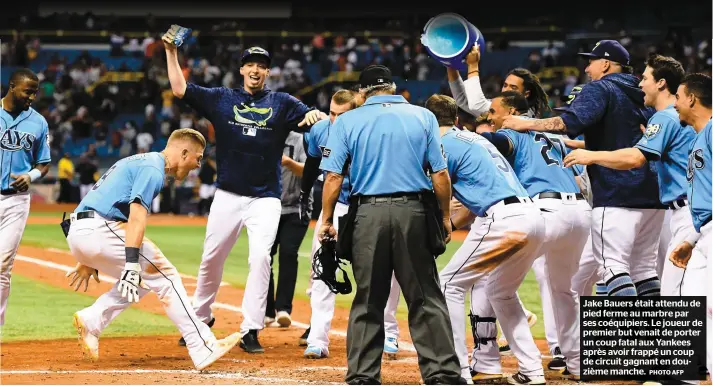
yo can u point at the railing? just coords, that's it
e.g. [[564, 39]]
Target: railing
[[115, 77]]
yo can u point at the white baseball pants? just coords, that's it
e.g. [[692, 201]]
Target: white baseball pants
[[664, 241], [14, 210], [322, 300], [498, 252], [99, 243], [539, 268], [626, 240], [681, 227], [568, 222], [588, 272], [228, 215]]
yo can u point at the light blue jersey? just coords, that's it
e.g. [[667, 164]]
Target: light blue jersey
[[480, 175], [699, 178], [538, 162], [316, 140], [138, 178], [391, 145], [23, 144], [668, 142]]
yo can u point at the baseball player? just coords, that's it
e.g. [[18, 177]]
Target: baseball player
[[537, 159], [693, 103], [627, 215], [251, 125], [321, 298], [469, 96], [107, 234], [499, 250], [666, 142], [24, 159], [290, 232]]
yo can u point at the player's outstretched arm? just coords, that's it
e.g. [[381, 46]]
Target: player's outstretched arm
[[622, 159], [175, 75], [297, 168]]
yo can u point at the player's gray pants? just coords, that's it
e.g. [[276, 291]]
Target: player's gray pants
[[391, 237], [499, 249], [14, 210]]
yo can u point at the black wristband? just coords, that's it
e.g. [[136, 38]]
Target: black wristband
[[132, 254], [453, 227]]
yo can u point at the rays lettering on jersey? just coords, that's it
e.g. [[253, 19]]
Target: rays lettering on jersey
[[14, 140], [695, 161]]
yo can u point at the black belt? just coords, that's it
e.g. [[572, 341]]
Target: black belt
[[558, 195], [85, 214], [676, 204], [390, 198], [511, 200], [8, 192]]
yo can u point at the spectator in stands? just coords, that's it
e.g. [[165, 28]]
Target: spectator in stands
[[88, 175], [65, 174]]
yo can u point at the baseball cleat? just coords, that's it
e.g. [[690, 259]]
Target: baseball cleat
[[558, 360], [220, 348], [565, 373], [522, 379], [250, 344], [303, 339], [314, 352], [531, 318], [88, 342], [503, 346], [391, 348], [481, 378], [283, 319], [182, 342]]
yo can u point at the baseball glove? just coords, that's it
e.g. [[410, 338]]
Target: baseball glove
[[325, 264]]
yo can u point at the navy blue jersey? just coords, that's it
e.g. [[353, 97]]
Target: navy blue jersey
[[250, 133], [609, 113]]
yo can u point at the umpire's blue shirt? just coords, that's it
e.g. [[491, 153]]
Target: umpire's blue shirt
[[390, 144], [608, 112], [250, 133]]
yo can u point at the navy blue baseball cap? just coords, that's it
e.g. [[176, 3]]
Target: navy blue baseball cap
[[610, 50], [375, 75], [253, 53]]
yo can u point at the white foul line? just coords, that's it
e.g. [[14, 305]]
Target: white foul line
[[402, 345]]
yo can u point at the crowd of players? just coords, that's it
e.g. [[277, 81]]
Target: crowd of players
[[645, 144]]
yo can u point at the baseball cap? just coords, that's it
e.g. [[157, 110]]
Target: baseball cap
[[256, 52], [572, 94], [375, 75], [610, 50]]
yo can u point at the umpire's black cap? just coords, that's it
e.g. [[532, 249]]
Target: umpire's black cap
[[610, 50], [254, 53], [375, 75]]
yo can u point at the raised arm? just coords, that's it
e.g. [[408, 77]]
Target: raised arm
[[175, 75]]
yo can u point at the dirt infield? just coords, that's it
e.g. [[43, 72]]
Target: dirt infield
[[160, 360]]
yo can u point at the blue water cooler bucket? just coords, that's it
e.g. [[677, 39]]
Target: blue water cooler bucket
[[449, 37]]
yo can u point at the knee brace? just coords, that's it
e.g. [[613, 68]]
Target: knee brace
[[484, 329]]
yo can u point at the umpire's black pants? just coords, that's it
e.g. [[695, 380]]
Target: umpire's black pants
[[392, 237], [290, 233]]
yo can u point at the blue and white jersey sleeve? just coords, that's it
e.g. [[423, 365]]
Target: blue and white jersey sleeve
[[657, 135], [42, 145], [434, 146], [336, 152], [148, 182]]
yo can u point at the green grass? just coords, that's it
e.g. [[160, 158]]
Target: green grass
[[183, 247], [40, 311]]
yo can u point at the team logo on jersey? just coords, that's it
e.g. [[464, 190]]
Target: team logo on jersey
[[651, 130], [13, 140], [326, 152], [252, 115], [695, 161]]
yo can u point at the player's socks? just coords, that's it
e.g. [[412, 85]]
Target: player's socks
[[601, 288], [649, 287], [621, 285]]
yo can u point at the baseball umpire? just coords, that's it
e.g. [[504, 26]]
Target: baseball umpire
[[251, 125], [388, 225], [627, 215]]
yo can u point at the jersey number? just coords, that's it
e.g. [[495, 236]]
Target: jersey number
[[500, 161], [547, 146], [102, 178]]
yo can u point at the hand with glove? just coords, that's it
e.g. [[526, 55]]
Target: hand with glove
[[305, 208], [130, 280]]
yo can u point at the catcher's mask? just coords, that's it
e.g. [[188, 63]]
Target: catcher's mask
[[325, 264]]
